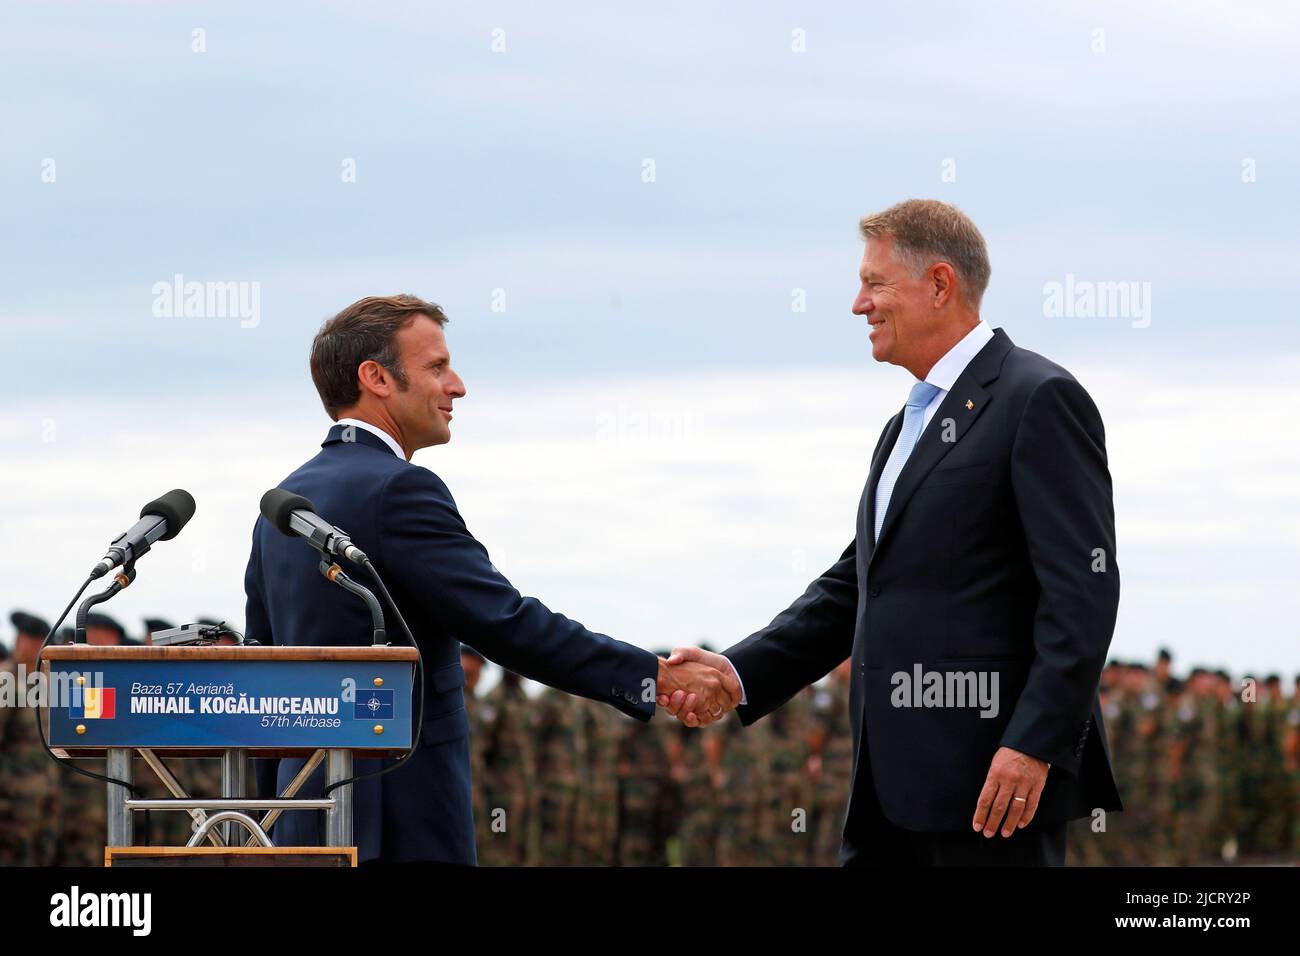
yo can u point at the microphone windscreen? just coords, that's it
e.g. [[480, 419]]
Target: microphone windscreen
[[278, 504], [176, 508]]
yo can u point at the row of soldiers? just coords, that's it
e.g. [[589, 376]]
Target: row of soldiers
[[55, 817], [1209, 770], [560, 780]]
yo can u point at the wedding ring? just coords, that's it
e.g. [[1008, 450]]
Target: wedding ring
[[1021, 799]]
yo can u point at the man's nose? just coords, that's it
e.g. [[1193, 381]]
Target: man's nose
[[457, 386]]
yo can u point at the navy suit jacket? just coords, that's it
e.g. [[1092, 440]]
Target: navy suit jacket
[[405, 519], [997, 556]]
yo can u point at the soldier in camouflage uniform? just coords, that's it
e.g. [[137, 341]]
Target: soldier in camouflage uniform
[[832, 764], [1228, 768], [1273, 827], [675, 783], [29, 779], [509, 834], [700, 768], [644, 794], [787, 798], [740, 794], [1253, 758], [1126, 834], [472, 663], [1291, 761], [1203, 764], [557, 726], [1188, 732], [596, 825]]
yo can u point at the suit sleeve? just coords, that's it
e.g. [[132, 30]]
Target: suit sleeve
[[1062, 489], [427, 549], [802, 644]]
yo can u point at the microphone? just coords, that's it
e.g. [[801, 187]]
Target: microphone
[[160, 520], [295, 515]]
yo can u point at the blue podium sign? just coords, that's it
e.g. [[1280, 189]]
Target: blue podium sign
[[258, 701]]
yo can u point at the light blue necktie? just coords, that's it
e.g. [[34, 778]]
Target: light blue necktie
[[921, 395]]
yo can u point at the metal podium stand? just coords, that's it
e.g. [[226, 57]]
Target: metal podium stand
[[321, 703]]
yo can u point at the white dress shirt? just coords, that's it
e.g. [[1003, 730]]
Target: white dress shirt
[[389, 440], [946, 371], [942, 376]]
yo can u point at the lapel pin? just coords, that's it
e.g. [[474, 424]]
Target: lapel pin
[[969, 404]]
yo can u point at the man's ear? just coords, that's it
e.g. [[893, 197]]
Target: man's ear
[[374, 378], [943, 284]]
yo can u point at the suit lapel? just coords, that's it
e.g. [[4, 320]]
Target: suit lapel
[[963, 404], [869, 495]]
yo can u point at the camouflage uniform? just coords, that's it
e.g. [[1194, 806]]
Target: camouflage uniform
[[787, 798], [1125, 836], [509, 779], [1228, 778], [1186, 731], [478, 792], [698, 832], [29, 786], [83, 829], [561, 756], [596, 820], [643, 794], [1203, 765], [831, 786], [1291, 761], [1272, 825], [740, 794]]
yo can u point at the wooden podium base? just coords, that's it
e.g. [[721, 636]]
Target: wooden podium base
[[327, 856]]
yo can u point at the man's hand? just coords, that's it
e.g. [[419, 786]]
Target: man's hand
[[688, 707], [1012, 788]]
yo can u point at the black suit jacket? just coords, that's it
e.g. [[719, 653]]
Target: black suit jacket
[[997, 556], [404, 518]]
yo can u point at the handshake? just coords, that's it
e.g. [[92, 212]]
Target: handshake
[[696, 686]]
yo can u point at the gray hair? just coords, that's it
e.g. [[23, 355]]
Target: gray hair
[[926, 231]]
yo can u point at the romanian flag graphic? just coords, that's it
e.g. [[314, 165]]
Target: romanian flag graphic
[[94, 703]]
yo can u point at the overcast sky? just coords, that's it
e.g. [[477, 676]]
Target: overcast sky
[[643, 226]]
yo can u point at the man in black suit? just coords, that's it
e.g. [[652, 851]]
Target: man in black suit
[[977, 598], [384, 375]]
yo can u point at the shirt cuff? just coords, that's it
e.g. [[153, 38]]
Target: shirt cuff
[[743, 699]]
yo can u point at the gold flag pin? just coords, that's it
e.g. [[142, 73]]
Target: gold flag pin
[[969, 404]]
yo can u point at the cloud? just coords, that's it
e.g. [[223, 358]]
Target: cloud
[[678, 509]]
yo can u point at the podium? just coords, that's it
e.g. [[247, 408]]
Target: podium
[[326, 704]]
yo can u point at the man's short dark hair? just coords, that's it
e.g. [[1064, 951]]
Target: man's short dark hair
[[29, 624], [364, 331]]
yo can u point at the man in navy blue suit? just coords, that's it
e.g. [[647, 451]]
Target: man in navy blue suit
[[384, 375], [978, 594]]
